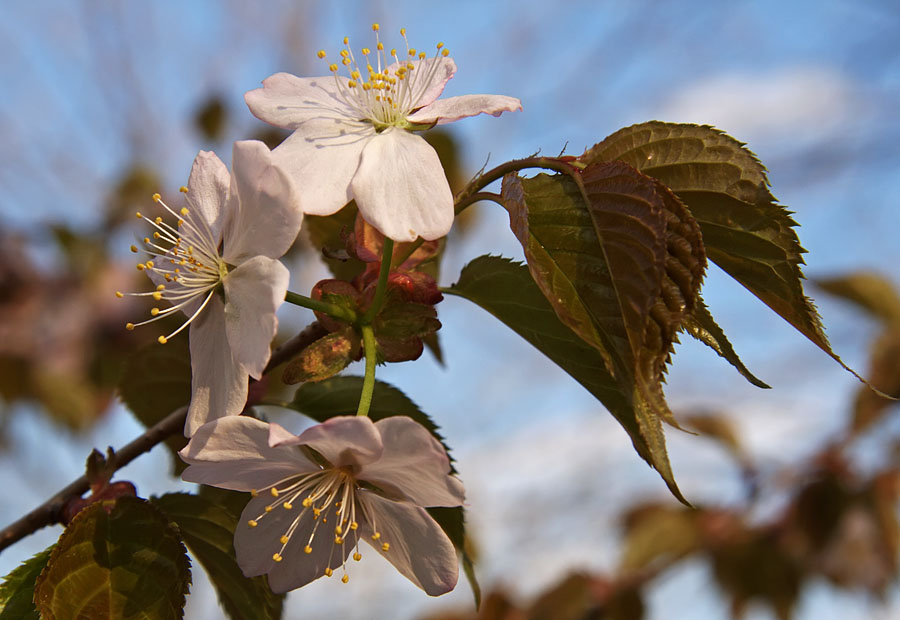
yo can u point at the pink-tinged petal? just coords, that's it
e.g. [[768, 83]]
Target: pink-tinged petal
[[345, 441], [321, 158], [428, 79], [278, 435], [253, 292], [207, 190], [451, 109], [234, 453], [288, 101], [264, 212], [401, 189], [414, 465], [255, 546], [218, 383], [417, 546]]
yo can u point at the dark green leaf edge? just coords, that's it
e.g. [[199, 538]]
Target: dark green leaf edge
[[17, 589]]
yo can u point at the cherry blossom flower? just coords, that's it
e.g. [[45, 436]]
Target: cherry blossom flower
[[218, 265], [316, 495], [353, 135]]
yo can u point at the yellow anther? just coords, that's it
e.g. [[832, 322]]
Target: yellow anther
[[380, 46], [307, 502], [346, 40], [146, 239], [154, 311], [403, 32], [157, 296], [332, 67], [345, 54], [354, 525], [274, 492], [179, 222], [376, 535], [158, 220], [307, 549], [252, 523], [277, 557], [149, 264], [366, 51], [367, 86], [283, 540], [268, 509], [440, 45], [422, 55], [129, 326], [183, 189], [184, 210], [160, 287], [346, 62], [375, 27], [345, 578], [253, 492], [133, 248], [288, 505], [138, 215], [156, 197], [351, 84], [338, 529], [328, 572], [385, 547], [410, 66], [316, 512], [140, 266], [321, 53], [412, 51], [338, 540], [394, 52], [357, 556], [162, 340], [119, 294], [156, 235], [445, 53]]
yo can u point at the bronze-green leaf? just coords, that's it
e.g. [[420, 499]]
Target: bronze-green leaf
[[506, 289], [208, 531], [725, 187], [17, 589], [128, 563]]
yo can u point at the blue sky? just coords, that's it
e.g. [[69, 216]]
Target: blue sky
[[812, 87]]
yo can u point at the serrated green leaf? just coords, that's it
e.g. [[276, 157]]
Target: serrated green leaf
[[208, 531], [17, 589], [129, 563], [155, 382], [725, 187], [505, 289], [340, 396], [701, 325]]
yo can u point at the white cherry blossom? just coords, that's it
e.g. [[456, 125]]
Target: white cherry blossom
[[353, 135], [317, 495], [217, 263]]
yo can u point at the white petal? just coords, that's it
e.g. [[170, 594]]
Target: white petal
[[344, 441], [253, 292], [418, 547], [321, 158], [207, 189], [401, 189], [255, 546], [425, 89], [414, 464], [264, 212], [218, 383], [287, 101], [452, 109], [234, 453]]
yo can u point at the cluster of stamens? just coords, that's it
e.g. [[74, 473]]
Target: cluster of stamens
[[390, 91], [186, 257], [330, 496]]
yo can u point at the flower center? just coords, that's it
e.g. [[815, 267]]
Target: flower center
[[330, 498], [390, 91], [184, 261]]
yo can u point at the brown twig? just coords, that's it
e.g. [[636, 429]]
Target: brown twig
[[50, 511]]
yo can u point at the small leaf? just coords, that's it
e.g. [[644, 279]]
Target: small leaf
[[324, 358], [17, 589], [725, 187], [872, 292], [128, 563], [657, 533], [156, 381], [505, 289], [701, 325], [327, 234], [208, 531]]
